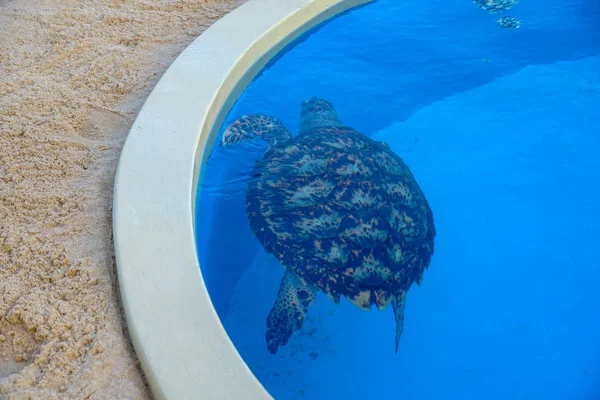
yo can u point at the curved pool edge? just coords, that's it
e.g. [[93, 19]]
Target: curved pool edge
[[182, 346]]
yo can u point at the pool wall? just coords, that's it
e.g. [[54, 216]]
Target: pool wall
[[182, 346]]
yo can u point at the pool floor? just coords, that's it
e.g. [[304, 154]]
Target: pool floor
[[500, 129], [509, 307]]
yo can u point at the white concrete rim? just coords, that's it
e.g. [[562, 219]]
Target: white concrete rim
[[178, 337]]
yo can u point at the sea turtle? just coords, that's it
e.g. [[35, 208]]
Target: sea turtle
[[340, 211]]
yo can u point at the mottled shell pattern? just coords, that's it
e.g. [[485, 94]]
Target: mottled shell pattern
[[342, 211]]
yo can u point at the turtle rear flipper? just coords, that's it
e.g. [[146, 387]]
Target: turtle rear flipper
[[289, 310], [398, 306]]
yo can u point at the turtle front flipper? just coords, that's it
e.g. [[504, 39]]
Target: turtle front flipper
[[398, 306], [289, 310], [250, 127]]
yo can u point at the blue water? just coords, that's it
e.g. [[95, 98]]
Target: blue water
[[501, 129]]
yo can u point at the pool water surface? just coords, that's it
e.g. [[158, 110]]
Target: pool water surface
[[499, 127]]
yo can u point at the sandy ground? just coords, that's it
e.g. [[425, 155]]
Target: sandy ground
[[73, 75]]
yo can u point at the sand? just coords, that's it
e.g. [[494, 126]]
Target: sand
[[73, 75]]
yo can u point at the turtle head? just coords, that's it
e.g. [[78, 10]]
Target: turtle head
[[316, 113], [250, 127]]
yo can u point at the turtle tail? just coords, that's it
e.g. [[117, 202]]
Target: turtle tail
[[250, 127]]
